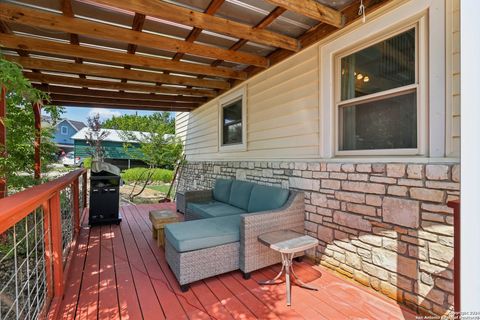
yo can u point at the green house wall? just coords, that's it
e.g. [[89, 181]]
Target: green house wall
[[113, 150]]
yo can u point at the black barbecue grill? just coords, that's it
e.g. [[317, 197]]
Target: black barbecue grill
[[104, 194]]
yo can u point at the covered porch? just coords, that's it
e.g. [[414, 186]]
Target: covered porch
[[118, 271], [131, 55]]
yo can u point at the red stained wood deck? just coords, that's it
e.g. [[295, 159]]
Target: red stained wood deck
[[118, 272]]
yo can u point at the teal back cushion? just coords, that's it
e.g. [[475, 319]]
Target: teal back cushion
[[240, 194], [221, 191], [267, 198]]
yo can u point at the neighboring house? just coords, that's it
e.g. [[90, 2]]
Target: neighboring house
[[64, 131], [366, 123], [114, 147]]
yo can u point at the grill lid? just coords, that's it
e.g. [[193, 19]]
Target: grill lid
[[100, 168]]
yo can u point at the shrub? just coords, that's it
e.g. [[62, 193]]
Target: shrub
[[87, 163], [141, 174]]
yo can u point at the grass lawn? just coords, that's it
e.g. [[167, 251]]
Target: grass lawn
[[161, 188]]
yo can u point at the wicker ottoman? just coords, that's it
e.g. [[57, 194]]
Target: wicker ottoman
[[159, 219]]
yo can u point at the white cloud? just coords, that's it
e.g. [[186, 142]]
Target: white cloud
[[104, 113]]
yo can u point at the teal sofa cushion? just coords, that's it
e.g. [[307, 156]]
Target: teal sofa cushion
[[265, 198], [204, 233], [240, 194], [221, 191], [213, 209]]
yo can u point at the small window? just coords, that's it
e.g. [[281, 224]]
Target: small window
[[377, 106], [232, 121], [64, 130]]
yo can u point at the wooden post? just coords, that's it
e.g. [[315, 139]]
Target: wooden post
[[48, 248], [38, 126], [84, 189], [76, 206], [56, 231], [3, 138], [455, 204]]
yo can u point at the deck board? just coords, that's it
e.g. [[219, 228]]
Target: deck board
[[118, 272]]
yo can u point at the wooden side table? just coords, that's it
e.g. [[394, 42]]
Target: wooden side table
[[159, 219], [287, 242]]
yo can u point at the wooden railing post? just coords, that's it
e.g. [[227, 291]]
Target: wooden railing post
[[48, 248], [84, 189], [37, 144], [3, 137], [455, 205], [56, 229], [76, 205]]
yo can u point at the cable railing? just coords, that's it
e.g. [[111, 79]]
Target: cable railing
[[38, 228]]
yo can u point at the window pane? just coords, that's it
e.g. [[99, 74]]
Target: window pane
[[386, 124], [386, 65], [232, 123]]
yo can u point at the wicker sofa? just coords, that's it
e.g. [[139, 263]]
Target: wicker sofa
[[222, 225]]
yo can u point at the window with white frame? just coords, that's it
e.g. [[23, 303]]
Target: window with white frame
[[232, 124], [377, 95], [64, 130]]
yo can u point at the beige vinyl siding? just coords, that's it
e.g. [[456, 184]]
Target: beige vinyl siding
[[455, 80], [283, 109], [282, 115]]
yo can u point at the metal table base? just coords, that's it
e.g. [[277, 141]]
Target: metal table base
[[287, 267]]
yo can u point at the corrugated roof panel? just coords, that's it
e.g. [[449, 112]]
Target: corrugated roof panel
[[166, 28], [49, 5], [40, 32], [102, 13]]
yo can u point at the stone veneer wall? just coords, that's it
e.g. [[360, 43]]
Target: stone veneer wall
[[386, 226]]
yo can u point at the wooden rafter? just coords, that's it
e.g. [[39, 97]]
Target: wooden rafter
[[117, 95], [114, 105], [278, 11], [63, 49], [100, 84], [67, 10], [137, 25], [171, 12], [312, 9], [319, 32], [123, 102], [195, 33], [41, 19], [116, 73]]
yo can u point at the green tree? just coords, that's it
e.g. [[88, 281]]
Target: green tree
[[158, 144], [148, 123], [19, 123]]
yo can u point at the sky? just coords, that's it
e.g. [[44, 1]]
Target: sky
[[81, 114]]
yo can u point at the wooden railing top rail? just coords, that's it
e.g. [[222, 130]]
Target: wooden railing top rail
[[16, 207]]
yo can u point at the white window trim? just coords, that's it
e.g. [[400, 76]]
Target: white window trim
[[429, 14], [224, 101], [416, 86], [62, 131]]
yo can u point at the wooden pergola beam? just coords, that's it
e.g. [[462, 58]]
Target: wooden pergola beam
[[171, 12], [55, 22], [195, 33], [67, 10], [63, 49], [123, 102], [100, 84], [114, 105], [3, 136], [117, 95], [319, 32], [116, 73], [37, 169], [314, 10], [278, 11]]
